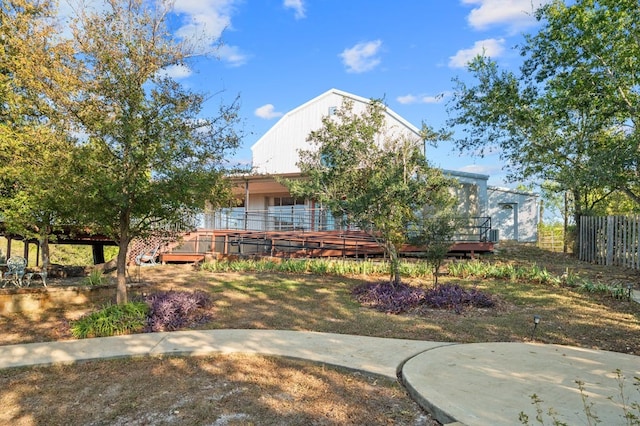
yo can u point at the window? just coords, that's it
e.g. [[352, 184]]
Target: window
[[287, 201]]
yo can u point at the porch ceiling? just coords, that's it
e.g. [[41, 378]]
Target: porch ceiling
[[259, 185]]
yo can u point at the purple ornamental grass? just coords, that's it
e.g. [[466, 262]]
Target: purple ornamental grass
[[172, 310], [452, 296], [384, 297], [388, 298]]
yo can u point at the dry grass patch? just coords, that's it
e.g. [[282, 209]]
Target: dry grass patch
[[216, 390]]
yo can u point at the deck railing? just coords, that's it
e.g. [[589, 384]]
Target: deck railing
[[300, 219]]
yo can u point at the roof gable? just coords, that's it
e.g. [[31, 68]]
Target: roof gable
[[277, 150]]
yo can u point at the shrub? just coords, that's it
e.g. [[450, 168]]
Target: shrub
[[171, 310], [95, 277], [388, 298], [112, 320], [395, 300], [452, 296]]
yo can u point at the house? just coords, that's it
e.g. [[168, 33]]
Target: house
[[514, 214], [264, 204]]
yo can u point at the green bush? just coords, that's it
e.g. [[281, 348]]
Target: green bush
[[95, 277], [339, 267], [112, 320]]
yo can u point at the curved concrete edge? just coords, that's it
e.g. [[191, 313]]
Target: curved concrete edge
[[492, 383], [374, 355], [412, 382]]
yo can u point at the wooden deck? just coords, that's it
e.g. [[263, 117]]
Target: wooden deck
[[291, 244]]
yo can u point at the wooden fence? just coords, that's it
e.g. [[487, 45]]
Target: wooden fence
[[610, 240]]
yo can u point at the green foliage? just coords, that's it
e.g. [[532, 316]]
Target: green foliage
[[35, 150], [369, 175], [569, 116], [94, 133], [78, 255], [340, 267], [617, 291], [149, 155], [95, 277], [533, 273], [112, 320], [435, 230], [508, 271]]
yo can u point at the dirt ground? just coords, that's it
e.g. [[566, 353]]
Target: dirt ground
[[213, 390], [248, 390]]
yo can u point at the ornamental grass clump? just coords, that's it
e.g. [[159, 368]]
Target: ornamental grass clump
[[172, 310], [452, 296], [386, 297], [391, 299], [112, 320]]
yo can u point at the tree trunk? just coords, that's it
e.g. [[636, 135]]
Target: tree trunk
[[394, 260], [565, 233], [123, 248], [44, 250], [121, 289]]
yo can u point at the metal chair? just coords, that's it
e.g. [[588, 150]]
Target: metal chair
[[42, 274], [16, 270], [148, 258]]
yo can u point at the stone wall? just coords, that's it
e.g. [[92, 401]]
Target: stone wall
[[13, 300]]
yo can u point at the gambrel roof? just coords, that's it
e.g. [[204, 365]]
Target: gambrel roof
[[276, 151]]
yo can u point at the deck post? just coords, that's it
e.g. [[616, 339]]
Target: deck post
[[98, 253]]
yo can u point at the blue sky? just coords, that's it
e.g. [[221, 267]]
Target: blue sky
[[278, 54]]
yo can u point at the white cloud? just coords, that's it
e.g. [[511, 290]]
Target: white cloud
[[231, 55], [517, 14], [203, 19], [490, 47], [422, 99], [362, 57], [176, 71], [267, 112], [297, 6]]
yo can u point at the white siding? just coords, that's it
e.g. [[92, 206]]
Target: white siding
[[277, 151], [514, 214], [472, 194]]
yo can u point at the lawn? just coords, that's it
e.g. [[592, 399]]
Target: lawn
[[294, 301]]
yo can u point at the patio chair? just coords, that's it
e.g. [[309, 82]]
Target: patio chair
[[148, 258], [42, 274], [16, 269]]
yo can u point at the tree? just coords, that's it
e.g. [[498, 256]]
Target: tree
[[369, 176], [540, 133], [147, 156], [569, 116], [592, 49], [35, 150], [434, 230]]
